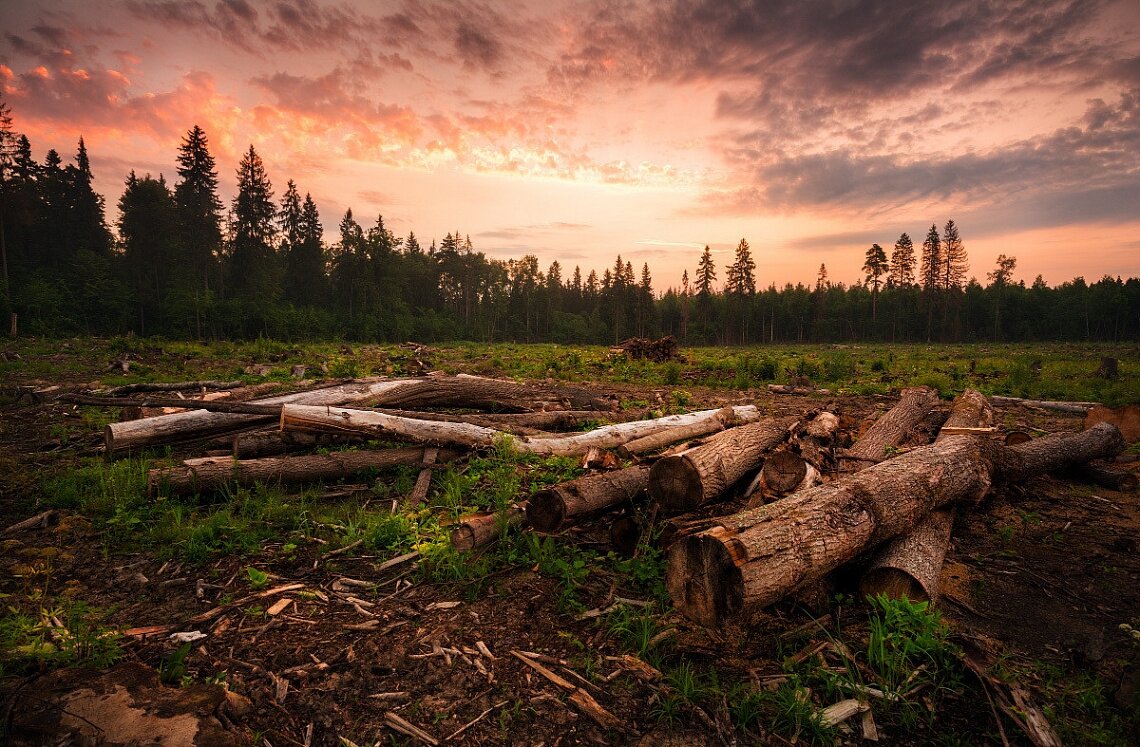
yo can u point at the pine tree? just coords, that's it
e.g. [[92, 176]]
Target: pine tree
[[252, 260], [875, 266], [199, 208], [706, 274], [902, 263], [821, 282], [8, 150], [953, 259]]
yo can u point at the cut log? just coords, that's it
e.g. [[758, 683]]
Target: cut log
[[211, 473], [910, 565], [750, 559], [1078, 408], [783, 472], [257, 444], [1105, 476], [703, 474], [377, 424], [482, 529], [1126, 418], [892, 427], [625, 534], [792, 389], [480, 392], [556, 508], [1013, 438], [184, 426], [724, 418]]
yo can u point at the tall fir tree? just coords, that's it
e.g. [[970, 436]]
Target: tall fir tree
[[147, 231], [902, 263], [252, 262], [199, 210], [931, 260], [875, 267], [741, 279], [706, 274], [954, 264]]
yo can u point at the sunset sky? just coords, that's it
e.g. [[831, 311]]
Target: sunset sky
[[577, 131]]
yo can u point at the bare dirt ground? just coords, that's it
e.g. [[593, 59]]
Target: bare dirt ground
[[1047, 571]]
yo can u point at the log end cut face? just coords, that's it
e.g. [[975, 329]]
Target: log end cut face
[[895, 583], [703, 580], [546, 511], [675, 484]]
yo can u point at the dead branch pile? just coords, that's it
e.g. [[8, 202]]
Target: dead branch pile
[[755, 507]]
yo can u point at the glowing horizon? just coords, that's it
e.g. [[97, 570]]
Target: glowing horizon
[[575, 133]]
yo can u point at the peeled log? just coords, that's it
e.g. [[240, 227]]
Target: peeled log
[[555, 508], [211, 473], [751, 559], [700, 475], [893, 426], [184, 426], [910, 565], [372, 423], [724, 418]]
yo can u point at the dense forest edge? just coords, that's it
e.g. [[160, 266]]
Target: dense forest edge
[[179, 265]]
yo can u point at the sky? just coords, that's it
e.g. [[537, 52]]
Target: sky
[[577, 131]]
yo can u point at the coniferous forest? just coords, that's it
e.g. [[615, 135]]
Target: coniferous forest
[[180, 263]]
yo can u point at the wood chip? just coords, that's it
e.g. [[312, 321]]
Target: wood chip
[[279, 606], [442, 606], [839, 712], [395, 723], [870, 730]]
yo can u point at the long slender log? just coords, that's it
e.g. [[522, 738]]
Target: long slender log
[[703, 474], [892, 427], [479, 392], [184, 426], [1077, 408], [258, 444], [555, 508], [211, 473], [172, 386], [910, 565], [751, 559], [371, 423], [1105, 476]]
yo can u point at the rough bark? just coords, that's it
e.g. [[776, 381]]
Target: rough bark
[[479, 392], [703, 474], [376, 424], [801, 464], [257, 444], [184, 426], [556, 508], [478, 530], [750, 559], [211, 473], [892, 427], [910, 565]]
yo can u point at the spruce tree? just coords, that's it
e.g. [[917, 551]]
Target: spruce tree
[[252, 259], [902, 263], [875, 266], [954, 264], [199, 209], [931, 260], [706, 274], [741, 280]]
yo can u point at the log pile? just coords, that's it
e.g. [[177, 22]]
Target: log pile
[[656, 351], [756, 506]]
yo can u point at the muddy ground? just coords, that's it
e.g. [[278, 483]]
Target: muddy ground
[[1046, 571]]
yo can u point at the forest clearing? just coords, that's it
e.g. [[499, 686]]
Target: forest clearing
[[329, 544]]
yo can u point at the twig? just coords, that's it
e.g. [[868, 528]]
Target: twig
[[394, 722], [474, 721]]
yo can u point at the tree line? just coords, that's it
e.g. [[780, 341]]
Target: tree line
[[182, 264]]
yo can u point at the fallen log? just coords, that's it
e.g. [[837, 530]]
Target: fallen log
[[183, 426], [378, 424], [211, 473], [480, 392], [892, 427], [750, 559], [481, 529], [792, 389], [560, 506], [700, 475], [1104, 476], [172, 386], [800, 465], [257, 444], [725, 417], [1078, 408], [910, 565]]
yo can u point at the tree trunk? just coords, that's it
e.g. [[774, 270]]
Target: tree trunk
[[257, 444], [801, 464], [376, 424], [184, 426], [751, 559], [211, 473], [783, 472], [724, 418], [892, 427], [477, 530], [700, 475], [910, 565], [556, 508], [177, 386], [1078, 408], [478, 392]]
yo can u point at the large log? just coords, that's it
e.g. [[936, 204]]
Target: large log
[[258, 444], [910, 565], [479, 392], [378, 424], [800, 465], [892, 427], [183, 426], [753, 558], [702, 474], [555, 508], [211, 473], [1105, 476], [724, 418]]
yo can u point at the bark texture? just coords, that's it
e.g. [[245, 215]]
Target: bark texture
[[478, 530], [561, 506], [703, 474], [892, 427]]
